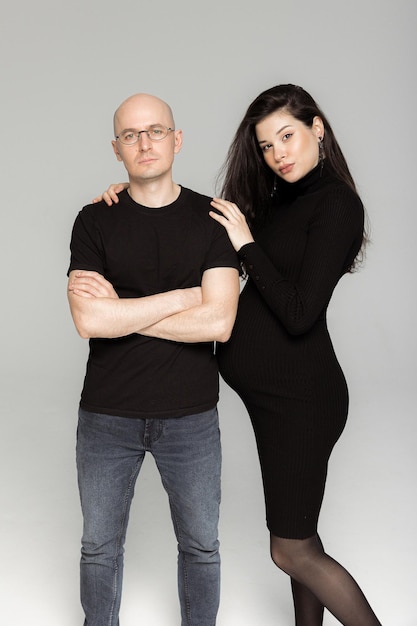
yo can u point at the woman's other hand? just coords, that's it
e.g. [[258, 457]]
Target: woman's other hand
[[110, 195], [233, 220]]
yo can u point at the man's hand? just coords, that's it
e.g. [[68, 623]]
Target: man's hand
[[91, 285]]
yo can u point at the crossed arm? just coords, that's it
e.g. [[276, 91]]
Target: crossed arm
[[188, 315]]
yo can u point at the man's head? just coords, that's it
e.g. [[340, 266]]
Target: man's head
[[143, 119]]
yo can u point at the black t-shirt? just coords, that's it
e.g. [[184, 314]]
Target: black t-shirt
[[144, 251]]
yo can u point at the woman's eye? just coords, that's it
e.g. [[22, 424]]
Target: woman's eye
[[286, 136], [267, 147]]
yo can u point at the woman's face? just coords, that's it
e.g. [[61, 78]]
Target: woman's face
[[290, 148]]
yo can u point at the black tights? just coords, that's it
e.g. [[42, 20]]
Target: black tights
[[318, 581]]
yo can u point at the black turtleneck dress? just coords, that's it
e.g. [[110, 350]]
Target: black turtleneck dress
[[280, 358]]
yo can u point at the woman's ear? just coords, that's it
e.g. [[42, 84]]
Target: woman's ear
[[318, 127]]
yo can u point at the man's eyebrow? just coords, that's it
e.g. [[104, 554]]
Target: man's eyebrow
[[130, 129]]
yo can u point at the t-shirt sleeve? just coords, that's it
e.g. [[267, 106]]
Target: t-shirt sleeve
[[220, 251], [86, 248]]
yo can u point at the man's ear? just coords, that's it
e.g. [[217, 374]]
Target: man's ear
[[178, 141], [116, 150]]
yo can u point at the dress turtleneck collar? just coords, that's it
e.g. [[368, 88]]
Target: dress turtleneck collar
[[318, 177]]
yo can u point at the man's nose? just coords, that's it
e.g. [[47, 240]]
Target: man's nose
[[143, 141]]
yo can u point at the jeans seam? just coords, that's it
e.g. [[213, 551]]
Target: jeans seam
[[132, 478], [183, 565]]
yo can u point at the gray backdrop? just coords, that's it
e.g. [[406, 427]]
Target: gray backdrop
[[65, 68]]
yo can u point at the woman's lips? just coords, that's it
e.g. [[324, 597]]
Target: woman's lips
[[286, 169]]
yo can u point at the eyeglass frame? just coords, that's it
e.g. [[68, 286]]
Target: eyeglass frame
[[137, 133]]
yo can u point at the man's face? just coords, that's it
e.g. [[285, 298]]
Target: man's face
[[146, 160]]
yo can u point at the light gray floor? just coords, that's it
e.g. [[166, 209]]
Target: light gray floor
[[368, 519]]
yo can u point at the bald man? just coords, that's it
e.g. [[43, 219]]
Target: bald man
[[153, 283]]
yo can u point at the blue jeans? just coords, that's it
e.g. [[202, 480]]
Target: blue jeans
[[110, 452]]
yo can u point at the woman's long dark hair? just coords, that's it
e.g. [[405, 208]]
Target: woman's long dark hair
[[247, 180]]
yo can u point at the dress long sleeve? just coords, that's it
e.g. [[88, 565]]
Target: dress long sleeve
[[331, 235]]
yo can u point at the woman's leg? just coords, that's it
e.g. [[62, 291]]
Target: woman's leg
[[327, 581], [308, 609]]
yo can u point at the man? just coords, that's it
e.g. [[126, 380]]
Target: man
[[153, 282]]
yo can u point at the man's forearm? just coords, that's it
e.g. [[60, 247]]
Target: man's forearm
[[110, 318], [212, 320], [199, 324]]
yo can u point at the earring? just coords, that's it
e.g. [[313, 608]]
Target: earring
[[274, 188], [321, 154]]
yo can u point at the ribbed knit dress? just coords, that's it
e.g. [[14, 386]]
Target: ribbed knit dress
[[280, 358]]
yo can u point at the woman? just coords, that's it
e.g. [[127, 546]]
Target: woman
[[297, 225]]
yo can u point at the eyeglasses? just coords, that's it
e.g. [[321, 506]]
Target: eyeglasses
[[156, 132]]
